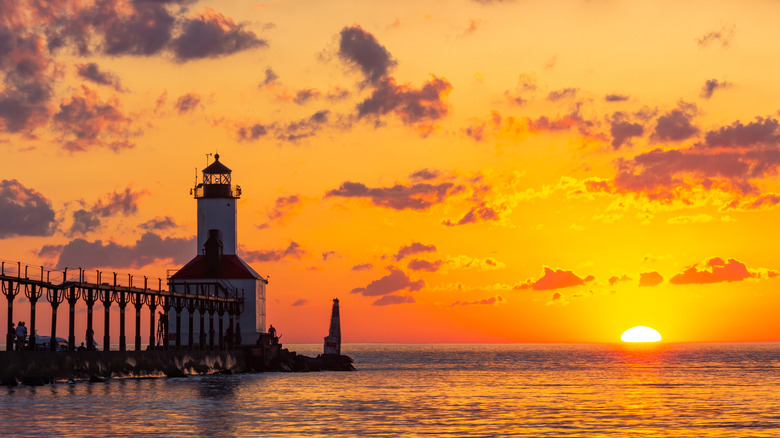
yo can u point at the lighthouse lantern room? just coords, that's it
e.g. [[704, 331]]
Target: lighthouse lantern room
[[216, 262]]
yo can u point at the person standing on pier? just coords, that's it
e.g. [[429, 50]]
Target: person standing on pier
[[21, 335], [90, 339], [10, 337]]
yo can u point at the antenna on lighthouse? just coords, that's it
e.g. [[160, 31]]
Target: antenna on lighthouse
[[207, 159]]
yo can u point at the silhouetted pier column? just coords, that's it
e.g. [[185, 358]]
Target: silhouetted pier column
[[55, 297], [122, 300], [32, 292], [178, 304], [138, 301], [90, 297], [211, 325], [220, 317], [166, 306], [190, 304], [73, 298], [151, 301], [232, 331], [10, 292], [202, 339], [105, 297]]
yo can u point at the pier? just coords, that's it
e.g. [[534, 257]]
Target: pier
[[209, 298]]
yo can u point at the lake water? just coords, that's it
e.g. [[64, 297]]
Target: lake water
[[525, 390]]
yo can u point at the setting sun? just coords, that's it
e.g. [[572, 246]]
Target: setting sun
[[640, 334]]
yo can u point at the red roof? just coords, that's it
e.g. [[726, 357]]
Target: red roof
[[231, 266]]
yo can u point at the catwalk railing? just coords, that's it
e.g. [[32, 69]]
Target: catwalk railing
[[36, 283]]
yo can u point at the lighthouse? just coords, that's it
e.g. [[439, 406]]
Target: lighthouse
[[216, 266]]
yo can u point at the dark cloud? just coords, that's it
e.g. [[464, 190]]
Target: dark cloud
[[555, 279], [158, 224], [305, 95], [761, 131], [293, 251], [92, 73], [424, 265], [87, 122], [622, 130], [615, 279], [24, 211], [424, 175], [336, 94], [420, 196], [395, 281], [711, 85], [124, 203], [144, 29], [212, 35], [328, 255], [562, 94], [715, 270], [80, 253], [722, 37], [362, 267], [84, 222], [187, 102], [270, 76], [650, 279], [616, 98], [252, 132], [676, 125], [480, 213], [413, 248], [496, 300], [361, 49], [304, 128], [418, 107], [283, 208], [300, 302], [767, 200], [28, 83], [393, 299]]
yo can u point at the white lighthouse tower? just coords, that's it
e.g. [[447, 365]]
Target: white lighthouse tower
[[216, 260]]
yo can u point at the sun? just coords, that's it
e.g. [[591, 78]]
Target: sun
[[640, 333]]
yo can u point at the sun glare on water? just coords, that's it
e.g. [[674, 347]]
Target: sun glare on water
[[640, 334]]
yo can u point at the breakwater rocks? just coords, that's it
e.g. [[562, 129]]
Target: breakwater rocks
[[35, 368]]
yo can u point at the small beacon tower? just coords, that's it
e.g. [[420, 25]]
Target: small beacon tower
[[333, 340], [216, 260]]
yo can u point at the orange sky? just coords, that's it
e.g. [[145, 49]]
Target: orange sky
[[471, 171]]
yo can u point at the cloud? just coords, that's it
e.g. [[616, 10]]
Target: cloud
[[148, 249], [711, 85], [562, 94], [328, 255], [650, 279], [291, 132], [284, 206], [92, 73], [300, 302], [420, 196], [424, 175], [84, 221], [490, 301], [416, 107], [676, 125], [555, 279], [86, 122], [124, 203], [413, 248], [715, 270], [187, 102], [480, 213], [270, 76], [252, 132], [158, 224], [623, 130], [684, 220], [293, 251], [393, 299], [361, 49], [762, 131], [722, 37], [362, 267], [212, 35], [764, 201], [613, 280], [395, 281], [24, 211], [303, 96], [616, 98], [424, 265]]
